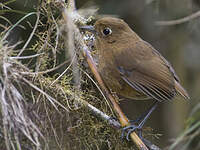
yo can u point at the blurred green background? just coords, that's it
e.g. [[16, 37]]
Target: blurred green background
[[179, 44]]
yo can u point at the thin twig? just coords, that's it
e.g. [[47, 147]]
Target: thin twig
[[178, 21], [26, 57], [16, 24], [51, 99], [64, 71], [31, 35], [57, 36], [98, 89], [46, 71]]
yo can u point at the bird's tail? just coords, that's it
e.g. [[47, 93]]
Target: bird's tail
[[181, 90]]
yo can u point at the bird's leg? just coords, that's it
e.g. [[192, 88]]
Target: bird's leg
[[138, 127], [136, 121], [141, 117]]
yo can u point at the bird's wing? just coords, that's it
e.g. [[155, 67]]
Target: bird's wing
[[145, 70]]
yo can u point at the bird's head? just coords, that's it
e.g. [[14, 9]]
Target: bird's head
[[110, 30]]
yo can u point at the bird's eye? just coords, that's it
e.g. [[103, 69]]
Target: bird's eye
[[107, 31]]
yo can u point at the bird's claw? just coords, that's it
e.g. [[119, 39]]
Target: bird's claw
[[140, 123], [130, 129]]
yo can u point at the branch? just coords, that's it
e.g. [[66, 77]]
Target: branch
[[178, 21], [114, 123]]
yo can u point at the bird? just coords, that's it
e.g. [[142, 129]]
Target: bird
[[131, 67]]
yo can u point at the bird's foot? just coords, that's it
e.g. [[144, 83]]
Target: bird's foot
[[131, 128], [140, 121]]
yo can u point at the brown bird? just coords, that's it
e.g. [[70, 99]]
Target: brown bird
[[131, 67]]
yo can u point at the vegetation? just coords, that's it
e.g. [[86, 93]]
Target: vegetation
[[46, 85]]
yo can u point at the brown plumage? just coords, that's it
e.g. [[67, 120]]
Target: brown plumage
[[130, 66]]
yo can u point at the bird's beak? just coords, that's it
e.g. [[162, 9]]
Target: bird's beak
[[88, 28]]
